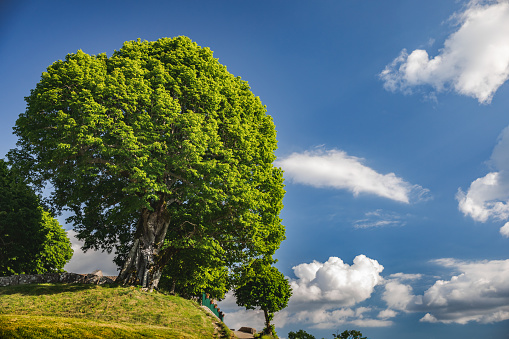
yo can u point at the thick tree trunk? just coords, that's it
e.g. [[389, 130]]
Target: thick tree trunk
[[143, 266]]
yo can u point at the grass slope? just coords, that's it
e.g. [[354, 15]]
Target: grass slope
[[93, 311]]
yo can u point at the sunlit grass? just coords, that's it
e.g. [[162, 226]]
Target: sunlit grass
[[92, 311]]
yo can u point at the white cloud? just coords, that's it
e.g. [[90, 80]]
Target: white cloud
[[333, 318], [329, 295], [474, 60], [398, 296], [428, 318], [336, 169], [90, 261], [336, 282], [325, 295], [504, 230], [479, 292], [387, 314], [488, 196]]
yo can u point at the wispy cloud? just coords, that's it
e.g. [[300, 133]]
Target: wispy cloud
[[380, 218], [474, 60], [488, 196], [337, 169]]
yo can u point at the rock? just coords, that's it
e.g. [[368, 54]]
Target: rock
[[99, 273], [247, 330]]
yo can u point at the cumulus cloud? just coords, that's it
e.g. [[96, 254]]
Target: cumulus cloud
[[326, 295], [478, 292], [504, 230], [399, 296], [488, 196], [331, 294], [336, 169], [90, 261], [386, 314], [335, 281], [474, 60]]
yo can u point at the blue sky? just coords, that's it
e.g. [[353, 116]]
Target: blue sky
[[391, 119]]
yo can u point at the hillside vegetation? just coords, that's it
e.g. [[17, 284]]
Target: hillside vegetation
[[99, 311]]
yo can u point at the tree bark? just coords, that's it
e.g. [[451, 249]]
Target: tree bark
[[143, 267]]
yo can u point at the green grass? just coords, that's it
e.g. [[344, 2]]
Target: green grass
[[92, 311]]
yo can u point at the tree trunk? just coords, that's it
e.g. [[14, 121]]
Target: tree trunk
[[172, 292], [143, 267], [268, 318]]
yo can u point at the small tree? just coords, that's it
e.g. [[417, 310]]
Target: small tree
[[31, 240], [262, 285], [300, 334]]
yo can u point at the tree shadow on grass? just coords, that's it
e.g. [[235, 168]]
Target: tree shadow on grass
[[49, 289]]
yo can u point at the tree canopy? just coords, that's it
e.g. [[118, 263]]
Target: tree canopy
[[192, 271], [300, 334], [31, 240], [349, 334], [262, 285], [158, 138]]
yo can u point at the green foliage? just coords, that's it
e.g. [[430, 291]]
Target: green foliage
[[157, 124], [31, 240], [349, 334], [193, 271], [262, 285], [266, 336], [56, 248], [300, 334]]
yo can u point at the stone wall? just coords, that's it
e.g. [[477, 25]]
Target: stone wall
[[51, 278]]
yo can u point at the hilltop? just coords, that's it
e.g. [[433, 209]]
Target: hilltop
[[101, 311]]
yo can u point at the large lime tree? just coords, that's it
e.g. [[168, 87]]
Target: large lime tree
[[158, 138]]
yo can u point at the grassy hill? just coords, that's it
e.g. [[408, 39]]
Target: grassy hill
[[99, 311]]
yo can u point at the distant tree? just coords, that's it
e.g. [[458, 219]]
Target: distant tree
[[262, 285], [349, 334], [157, 138], [31, 240], [300, 334], [56, 249]]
